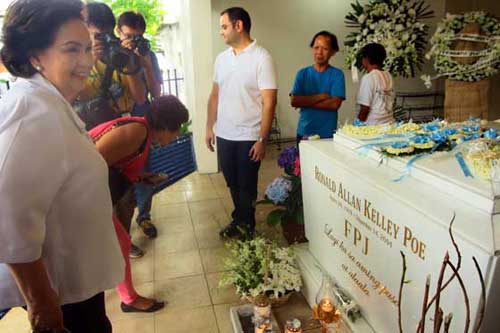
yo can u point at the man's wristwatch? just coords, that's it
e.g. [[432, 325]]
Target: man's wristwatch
[[261, 139]]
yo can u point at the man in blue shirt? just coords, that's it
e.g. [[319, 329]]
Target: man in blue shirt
[[319, 90]]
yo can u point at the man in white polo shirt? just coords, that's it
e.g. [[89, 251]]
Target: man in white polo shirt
[[241, 105]]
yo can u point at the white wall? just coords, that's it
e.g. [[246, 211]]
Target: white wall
[[195, 26], [285, 28]]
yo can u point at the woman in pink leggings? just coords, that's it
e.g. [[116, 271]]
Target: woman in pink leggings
[[124, 143]]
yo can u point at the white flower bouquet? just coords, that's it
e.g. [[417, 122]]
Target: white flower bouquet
[[246, 269], [448, 33], [395, 24]]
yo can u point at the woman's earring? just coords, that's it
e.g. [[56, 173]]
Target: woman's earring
[[38, 68]]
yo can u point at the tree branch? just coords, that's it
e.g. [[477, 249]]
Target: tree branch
[[483, 297], [403, 275]]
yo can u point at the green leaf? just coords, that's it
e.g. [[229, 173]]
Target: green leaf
[[275, 217], [264, 201]]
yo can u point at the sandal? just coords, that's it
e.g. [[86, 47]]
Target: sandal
[[157, 305], [148, 228]]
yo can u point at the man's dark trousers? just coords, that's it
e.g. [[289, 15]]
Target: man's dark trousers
[[241, 175]]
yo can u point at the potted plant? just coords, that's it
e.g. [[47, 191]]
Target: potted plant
[[257, 267], [285, 192]]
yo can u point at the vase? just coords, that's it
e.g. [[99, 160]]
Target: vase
[[293, 232]]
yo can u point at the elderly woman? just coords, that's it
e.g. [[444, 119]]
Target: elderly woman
[[124, 143], [59, 250]]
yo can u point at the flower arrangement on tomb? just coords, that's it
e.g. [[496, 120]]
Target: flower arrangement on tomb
[[483, 155], [246, 267], [396, 24], [457, 60]]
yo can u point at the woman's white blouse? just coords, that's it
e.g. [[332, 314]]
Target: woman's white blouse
[[54, 196]]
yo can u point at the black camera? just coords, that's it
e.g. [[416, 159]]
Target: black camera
[[142, 45], [114, 55]]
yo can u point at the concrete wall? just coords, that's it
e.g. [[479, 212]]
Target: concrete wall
[[285, 28]]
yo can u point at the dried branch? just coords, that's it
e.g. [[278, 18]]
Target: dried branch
[[403, 275], [447, 322], [483, 297], [438, 320], [459, 263], [466, 297], [426, 300], [438, 293]]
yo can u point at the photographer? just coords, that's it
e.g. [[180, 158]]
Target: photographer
[[131, 27], [115, 84]]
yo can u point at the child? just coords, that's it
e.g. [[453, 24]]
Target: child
[[376, 91]]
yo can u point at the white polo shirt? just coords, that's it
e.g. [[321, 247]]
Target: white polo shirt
[[240, 79], [54, 196]]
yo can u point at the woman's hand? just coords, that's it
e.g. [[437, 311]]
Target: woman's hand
[[44, 309], [153, 179], [46, 314]]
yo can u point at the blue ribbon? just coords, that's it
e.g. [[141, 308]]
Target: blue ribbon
[[431, 127], [421, 139], [358, 122], [471, 137], [408, 167], [491, 133], [470, 129], [450, 131], [463, 165], [439, 137]]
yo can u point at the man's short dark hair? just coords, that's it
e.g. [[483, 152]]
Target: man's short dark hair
[[100, 16], [375, 53], [334, 44], [238, 13], [133, 20]]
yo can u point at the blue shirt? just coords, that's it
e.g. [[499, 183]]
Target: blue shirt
[[310, 82]]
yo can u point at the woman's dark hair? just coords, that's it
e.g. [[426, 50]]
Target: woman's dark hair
[[238, 13], [132, 19], [30, 26], [166, 113], [100, 16], [375, 53], [334, 44]]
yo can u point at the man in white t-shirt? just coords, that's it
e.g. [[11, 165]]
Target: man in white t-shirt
[[376, 91], [241, 105]]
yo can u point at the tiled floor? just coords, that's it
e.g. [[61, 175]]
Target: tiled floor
[[184, 263]]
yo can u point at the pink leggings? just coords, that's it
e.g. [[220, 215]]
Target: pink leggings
[[125, 289]]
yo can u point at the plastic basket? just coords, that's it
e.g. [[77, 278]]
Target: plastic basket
[[176, 159]]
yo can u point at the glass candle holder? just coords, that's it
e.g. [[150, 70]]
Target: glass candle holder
[[293, 326]]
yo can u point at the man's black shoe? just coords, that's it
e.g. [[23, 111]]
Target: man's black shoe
[[230, 231]]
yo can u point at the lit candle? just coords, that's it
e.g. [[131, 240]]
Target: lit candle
[[326, 305]]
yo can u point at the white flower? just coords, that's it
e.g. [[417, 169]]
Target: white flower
[[361, 18], [399, 27], [372, 26], [365, 32], [405, 36], [412, 12]]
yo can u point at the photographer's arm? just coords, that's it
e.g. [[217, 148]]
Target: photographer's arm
[[153, 86]]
